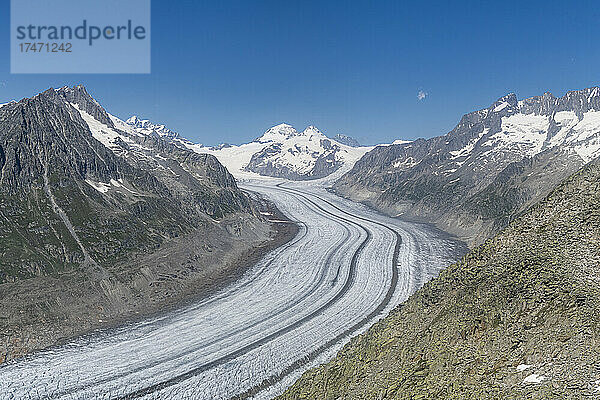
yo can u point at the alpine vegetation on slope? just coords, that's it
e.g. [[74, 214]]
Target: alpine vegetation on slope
[[518, 317], [283, 152], [489, 168], [101, 221]]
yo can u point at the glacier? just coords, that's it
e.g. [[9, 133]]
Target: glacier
[[347, 268]]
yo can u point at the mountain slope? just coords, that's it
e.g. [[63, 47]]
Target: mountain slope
[[489, 168], [100, 222], [518, 317], [47, 156], [52, 163]]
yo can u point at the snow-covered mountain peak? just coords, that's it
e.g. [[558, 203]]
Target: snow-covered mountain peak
[[137, 122], [505, 102], [282, 126], [146, 127], [284, 152], [284, 132], [510, 98], [593, 92], [278, 133], [311, 131]]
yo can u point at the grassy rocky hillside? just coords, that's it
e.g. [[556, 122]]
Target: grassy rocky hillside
[[517, 317], [99, 225]]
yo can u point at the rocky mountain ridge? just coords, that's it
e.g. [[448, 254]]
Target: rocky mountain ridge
[[347, 140], [146, 127], [489, 168], [101, 221]]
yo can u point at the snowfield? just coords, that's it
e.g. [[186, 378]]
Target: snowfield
[[347, 267]]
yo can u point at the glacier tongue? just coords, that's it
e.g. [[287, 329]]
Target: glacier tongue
[[346, 269]]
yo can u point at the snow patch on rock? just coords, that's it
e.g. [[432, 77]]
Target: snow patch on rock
[[501, 106], [534, 378], [469, 147], [524, 132], [523, 367], [99, 186]]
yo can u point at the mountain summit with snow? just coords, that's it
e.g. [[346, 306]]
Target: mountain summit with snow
[[297, 155], [278, 133], [284, 152], [145, 127]]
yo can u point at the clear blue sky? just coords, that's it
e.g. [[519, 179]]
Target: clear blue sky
[[225, 71]]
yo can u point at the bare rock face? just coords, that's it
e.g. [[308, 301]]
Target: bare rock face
[[488, 169], [79, 95], [347, 140]]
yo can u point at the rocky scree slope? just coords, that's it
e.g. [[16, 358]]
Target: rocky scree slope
[[101, 222], [518, 317], [493, 165]]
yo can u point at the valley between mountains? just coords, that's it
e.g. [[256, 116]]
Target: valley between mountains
[[346, 268], [135, 263]]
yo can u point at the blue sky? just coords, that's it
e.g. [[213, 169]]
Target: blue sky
[[226, 71]]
